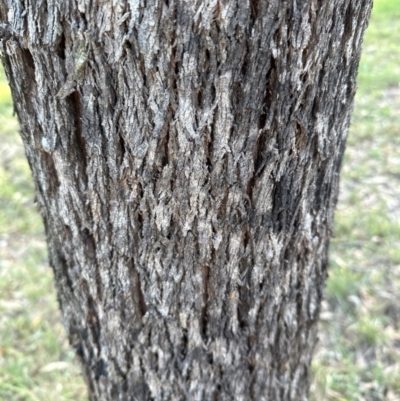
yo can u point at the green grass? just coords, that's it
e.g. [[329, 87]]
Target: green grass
[[358, 357]]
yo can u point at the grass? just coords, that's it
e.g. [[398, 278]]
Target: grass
[[358, 356]]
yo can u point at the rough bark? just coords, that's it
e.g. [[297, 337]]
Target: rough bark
[[186, 158]]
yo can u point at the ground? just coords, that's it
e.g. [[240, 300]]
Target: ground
[[358, 355]]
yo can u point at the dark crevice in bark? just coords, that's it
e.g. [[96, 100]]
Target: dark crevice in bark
[[280, 207], [140, 223], [213, 94], [199, 98], [140, 189], [171, 228], [250, 186], [74, 100], [208, 58], [259, 153], [301, 136], [216, 11], [243, 306], [237, 97], [320, 189], [269, 90], [258, 161], [60, 49], [184, 344], [100, 369], [143, 71], [251, 340], [122, 148], [83, 16], [209, 155], [92, 317], [141, 304], [210, 147], [348, 23], [205, 277], [29, 81], [53, 182], [245, 63], [217, 393], [299, 299], [245, 266], [174, 67], [165, 160], [163, 146], [315, 104], [28, 59], [210, 358], [90, 244], [310, 16], [260, 145], [304, 55], [139, 215], [254, 11]]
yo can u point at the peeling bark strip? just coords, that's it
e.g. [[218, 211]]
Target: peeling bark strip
[[186, 157]]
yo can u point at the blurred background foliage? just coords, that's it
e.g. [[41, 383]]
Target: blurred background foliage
[[358, 355]]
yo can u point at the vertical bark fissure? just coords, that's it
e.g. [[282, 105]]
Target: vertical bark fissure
[[60, 50], [140, 297], [205, 278], [74, 100]]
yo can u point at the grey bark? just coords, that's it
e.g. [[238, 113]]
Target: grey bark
[[186, 158]]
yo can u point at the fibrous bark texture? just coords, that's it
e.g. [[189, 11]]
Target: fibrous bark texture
[[186, 156]]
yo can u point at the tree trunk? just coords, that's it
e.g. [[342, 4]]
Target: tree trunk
[[186, 157]]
